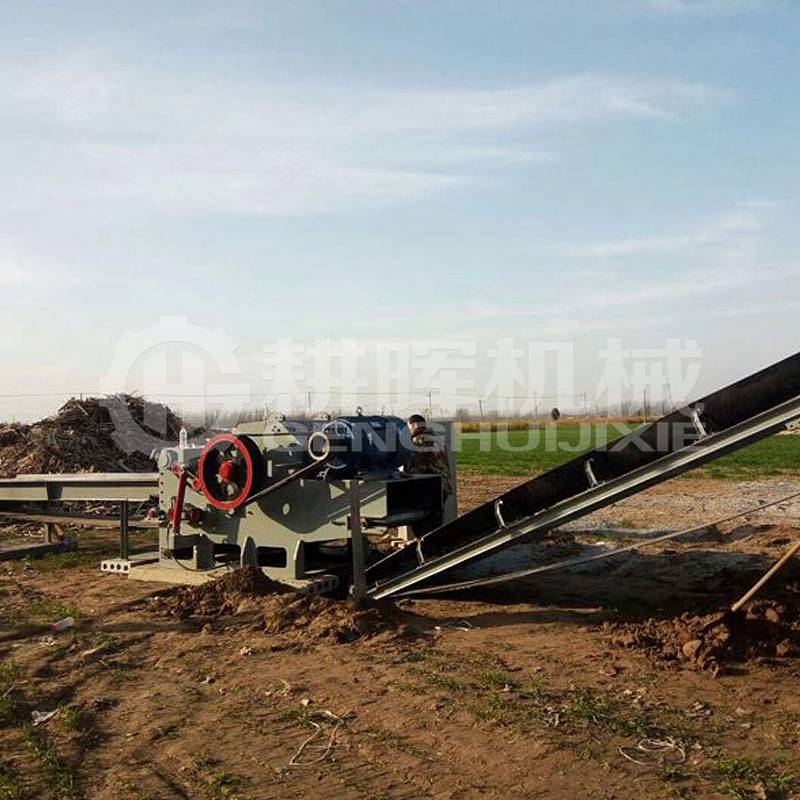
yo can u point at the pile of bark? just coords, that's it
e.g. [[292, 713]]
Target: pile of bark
[[109, 434]]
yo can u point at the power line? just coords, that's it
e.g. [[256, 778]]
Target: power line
[[423, 390]]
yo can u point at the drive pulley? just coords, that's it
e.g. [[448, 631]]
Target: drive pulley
[[231, 469]]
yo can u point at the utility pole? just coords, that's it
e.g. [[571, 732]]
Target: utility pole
[[480, 407], [430, 406]]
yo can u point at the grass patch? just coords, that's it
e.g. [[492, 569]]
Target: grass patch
[[74, 718], [223, 784], [48, 609], [436, 668], [293, 715], [750, 780], [135, 792], [170, 731], [590, 707], [528, 452], [10, 673], [94, 545], [676, 773], [444, 682], [11, 787], [122, 672], [61, 776], [54, 562], [491, 708], [590, 722], [496, 679], [481, 684], [203, 761], [421, 656], [492, 693]]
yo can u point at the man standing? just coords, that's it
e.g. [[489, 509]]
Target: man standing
[[429, 454]]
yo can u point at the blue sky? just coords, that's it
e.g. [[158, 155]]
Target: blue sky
[[553, 170]]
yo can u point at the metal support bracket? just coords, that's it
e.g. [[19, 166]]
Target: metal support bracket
[[498, 514], [420, 554], [587, 468], [698, 424]]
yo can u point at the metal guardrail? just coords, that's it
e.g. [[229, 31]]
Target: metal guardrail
[[117, 487], [68, 487]]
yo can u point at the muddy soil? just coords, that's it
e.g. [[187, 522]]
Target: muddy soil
[[516, 692], [766, 630], [227, 595]]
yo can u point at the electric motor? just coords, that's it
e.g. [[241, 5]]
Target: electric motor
[[361, 444]]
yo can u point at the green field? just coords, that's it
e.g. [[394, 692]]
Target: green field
[[539, 449]]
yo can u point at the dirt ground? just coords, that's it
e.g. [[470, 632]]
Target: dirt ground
[[556, 687], [683, 502]]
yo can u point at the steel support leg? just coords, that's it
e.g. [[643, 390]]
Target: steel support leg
[[124, 530], [359, 588]]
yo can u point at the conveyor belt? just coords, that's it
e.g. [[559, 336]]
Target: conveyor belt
[[734, 417]]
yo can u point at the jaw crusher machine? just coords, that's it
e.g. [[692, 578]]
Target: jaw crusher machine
[[277, 494]]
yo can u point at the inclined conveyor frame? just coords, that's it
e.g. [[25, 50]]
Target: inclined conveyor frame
[[738, 415]]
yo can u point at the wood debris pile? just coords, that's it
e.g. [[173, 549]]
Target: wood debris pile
[[110, 434]]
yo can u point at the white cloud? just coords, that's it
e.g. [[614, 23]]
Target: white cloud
[[719, 259], [12, 276], [562, 100], [25, 265], [750, 309], [710, 6], [91, 130], [66, 92], [621, 305], [758, 203], [717, 231], [488, 155]]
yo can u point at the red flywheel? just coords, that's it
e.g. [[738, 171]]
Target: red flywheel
[[231, 469]]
